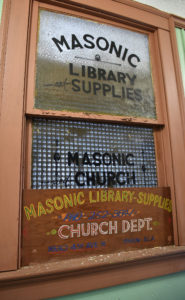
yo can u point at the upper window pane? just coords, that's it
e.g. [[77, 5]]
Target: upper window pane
[[85, 66]]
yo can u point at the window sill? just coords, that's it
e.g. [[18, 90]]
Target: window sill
[[101, 263]]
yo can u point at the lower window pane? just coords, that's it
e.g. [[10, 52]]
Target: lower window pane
[[78, 154]]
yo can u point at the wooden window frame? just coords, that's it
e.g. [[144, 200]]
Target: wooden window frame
[[56, 279]]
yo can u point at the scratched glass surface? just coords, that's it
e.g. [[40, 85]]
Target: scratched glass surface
[[86, 66], [64, 155]]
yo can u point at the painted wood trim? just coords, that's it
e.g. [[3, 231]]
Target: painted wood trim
[[162, 139], [11, 128], [45, 281], [3, 41], [130, 10], [156, 73], [177, 21], [91, 116], [174, 22], [28, 154], [176, 128], [144, 7]]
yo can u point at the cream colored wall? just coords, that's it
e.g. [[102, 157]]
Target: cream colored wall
[[1, 5], [175, 7]]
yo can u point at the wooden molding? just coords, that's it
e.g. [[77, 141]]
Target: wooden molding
[[144, 7], [129, 11], [11, 128], [75, 276]]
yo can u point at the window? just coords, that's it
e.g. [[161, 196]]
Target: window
[[84, 69], [86, 151]]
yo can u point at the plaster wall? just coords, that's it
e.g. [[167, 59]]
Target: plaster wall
[[167, 287], [1, 5]]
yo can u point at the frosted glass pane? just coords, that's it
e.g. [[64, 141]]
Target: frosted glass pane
[[91, 67]]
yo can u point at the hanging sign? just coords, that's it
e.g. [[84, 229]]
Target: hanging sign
[[61, 224], [91, 67]]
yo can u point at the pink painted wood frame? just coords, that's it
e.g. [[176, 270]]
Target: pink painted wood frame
[[169, 144]]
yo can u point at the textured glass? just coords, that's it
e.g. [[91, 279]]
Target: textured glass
[[78, 154], [91, 67]]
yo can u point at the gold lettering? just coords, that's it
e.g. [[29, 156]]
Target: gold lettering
[[30, 211], [41, 209]]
